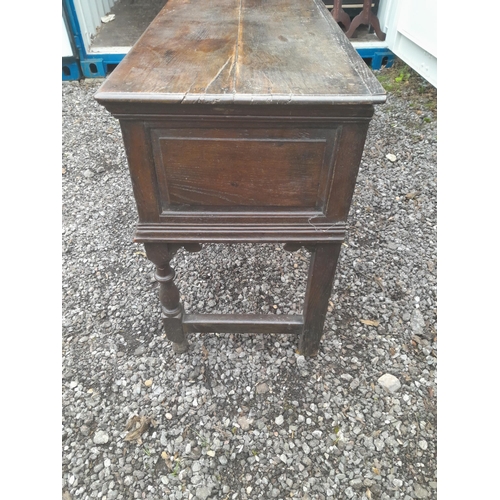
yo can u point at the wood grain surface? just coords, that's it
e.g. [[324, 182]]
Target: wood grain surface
[[243, 52], [281, 167]]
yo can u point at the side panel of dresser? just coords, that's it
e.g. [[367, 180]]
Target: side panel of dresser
[[339, 141]]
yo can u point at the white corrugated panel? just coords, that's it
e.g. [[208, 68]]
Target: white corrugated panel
[[89, 13], [411, 27], [67, 51]]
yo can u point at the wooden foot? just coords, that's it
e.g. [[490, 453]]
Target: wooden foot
[[171, 308], [319, 286], [180, 348]]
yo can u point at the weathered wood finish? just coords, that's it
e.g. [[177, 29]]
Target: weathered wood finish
[[319, 287], [205, 167], [243, 323], [243, 52], [243, 121], [171, 308]]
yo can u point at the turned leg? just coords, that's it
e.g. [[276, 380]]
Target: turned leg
[[171, 309], [319, 287]]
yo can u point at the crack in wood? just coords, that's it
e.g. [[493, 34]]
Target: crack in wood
[[219, 72], [237, 48]]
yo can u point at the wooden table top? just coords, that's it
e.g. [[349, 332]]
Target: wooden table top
[[243, 52]]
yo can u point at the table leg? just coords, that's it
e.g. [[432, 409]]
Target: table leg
[[319, 286], [171, 308]]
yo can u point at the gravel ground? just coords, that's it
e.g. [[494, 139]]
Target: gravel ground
[[240, 416]]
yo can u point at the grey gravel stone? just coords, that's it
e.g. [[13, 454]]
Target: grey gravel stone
[[356, 483], [417, 322], [140, 350], [101, 437], [420, 491], [203, 492], [389, 382], [244, 423], [379, 444], [262, 388], [164, 439]]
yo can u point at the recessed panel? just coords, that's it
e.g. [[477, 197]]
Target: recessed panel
[[241, 168]]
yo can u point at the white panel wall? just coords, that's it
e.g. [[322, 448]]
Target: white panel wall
[[411, 27], [67, 51], [89, 13], [418, 23], [386, 14]]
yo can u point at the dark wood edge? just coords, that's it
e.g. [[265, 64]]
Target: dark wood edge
[[265, 216], [246, 99], [230, 119], [313, 233], [242, 323], [264, 113], [243, 228]]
